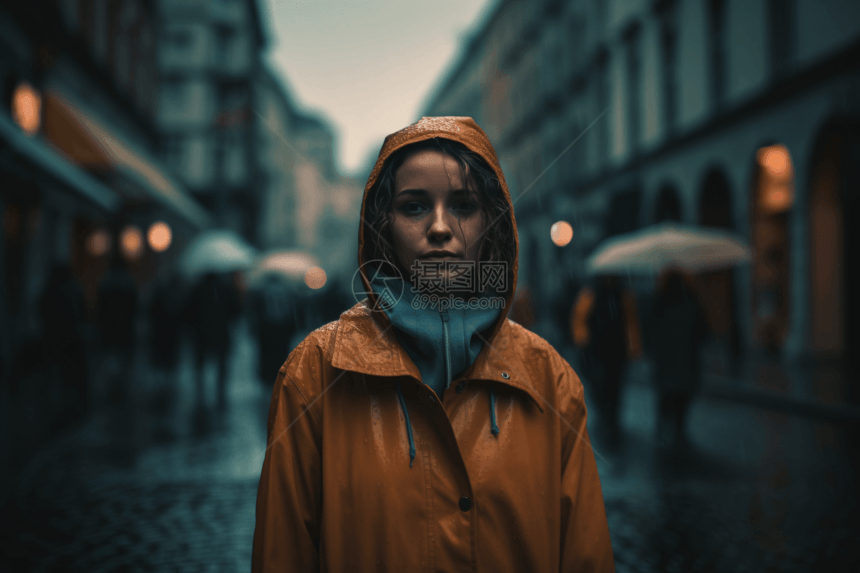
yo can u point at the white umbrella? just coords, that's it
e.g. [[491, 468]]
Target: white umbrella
[[218, 252], [669, 245], [290, 265]]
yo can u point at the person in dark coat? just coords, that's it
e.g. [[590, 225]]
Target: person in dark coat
[[605, 326], [117, 304], [165, 314], [62, 309], [677, 329], [213, 306], [275, 317]]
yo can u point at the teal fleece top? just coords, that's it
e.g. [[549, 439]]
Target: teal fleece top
[[441, 342]]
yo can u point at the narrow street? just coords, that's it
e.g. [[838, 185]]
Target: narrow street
[[170, 485]]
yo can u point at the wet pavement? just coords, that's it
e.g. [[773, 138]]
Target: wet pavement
[[165, 484]]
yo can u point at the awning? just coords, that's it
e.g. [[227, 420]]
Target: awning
[[93, 146], [58, 167]]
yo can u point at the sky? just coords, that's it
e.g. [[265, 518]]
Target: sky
[[367, 66]]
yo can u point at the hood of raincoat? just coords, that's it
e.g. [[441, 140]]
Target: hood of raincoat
[[463, 130], [441, 342]]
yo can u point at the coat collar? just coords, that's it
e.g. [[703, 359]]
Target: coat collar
[[367, 345]]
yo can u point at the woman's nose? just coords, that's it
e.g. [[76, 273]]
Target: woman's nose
[[440, 226]]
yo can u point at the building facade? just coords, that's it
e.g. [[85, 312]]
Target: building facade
[[740, 115], [82, 184], [208, 59]]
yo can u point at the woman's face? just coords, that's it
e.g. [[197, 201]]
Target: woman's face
[[436, 216]]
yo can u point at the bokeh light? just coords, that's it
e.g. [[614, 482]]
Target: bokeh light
[[98, 243], [131, 242], [775, 159], [315, 278], [561, 233], [27, 108], [159, 236]]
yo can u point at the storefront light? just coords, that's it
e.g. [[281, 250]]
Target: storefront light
[[98, 243], [159, 236], [27, 108], [315, 278], [561, 233], [131, 242]]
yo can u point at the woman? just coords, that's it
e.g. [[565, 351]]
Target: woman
[[409, 436]]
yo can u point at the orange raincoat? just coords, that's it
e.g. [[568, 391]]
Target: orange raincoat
[[337, 492]]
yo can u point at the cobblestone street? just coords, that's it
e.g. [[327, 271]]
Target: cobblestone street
[[169, 485]]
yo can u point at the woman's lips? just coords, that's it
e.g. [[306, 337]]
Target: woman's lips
[[439, 256]]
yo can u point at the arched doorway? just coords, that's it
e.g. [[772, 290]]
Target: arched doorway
[[771, 200], [715, 209], [833, 204], [668, 205]]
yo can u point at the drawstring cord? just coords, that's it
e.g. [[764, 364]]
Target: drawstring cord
[[408, 424], [494, 427]]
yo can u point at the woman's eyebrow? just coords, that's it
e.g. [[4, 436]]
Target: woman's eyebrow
[[412, 192], [424, 192]]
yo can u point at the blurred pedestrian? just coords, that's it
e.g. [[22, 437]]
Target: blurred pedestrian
[[117, 308], [605, 326], [275, 321], [62, 309], [400, 432], [213, 306], [676, 330], [165, 333]]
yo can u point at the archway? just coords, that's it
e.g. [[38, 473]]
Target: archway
[[833, 204], [715, 209], [668, 205], [771, 199]]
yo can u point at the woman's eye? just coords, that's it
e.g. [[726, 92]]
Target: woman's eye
[[465, 207], [413, 208]]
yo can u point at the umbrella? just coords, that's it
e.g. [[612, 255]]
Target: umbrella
[[217, 252], [669, 245], [290, 265]]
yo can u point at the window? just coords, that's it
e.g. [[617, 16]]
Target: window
[[634, 66], [179, 40], [225, 43], [173, 93], [669, 58], [174, 153], [781, 35], [717, 30]]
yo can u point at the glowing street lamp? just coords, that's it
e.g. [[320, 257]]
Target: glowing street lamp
[[315, 278], [98, 243], [27, 108], [131, 242], [159, 236], [561, 233]]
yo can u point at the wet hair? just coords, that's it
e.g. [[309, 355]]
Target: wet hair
[[498, 237]]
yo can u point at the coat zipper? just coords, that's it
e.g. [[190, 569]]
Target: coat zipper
[[443, 313]]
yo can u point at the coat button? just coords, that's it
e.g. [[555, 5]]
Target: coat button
[[465, 503], [460, 387]]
